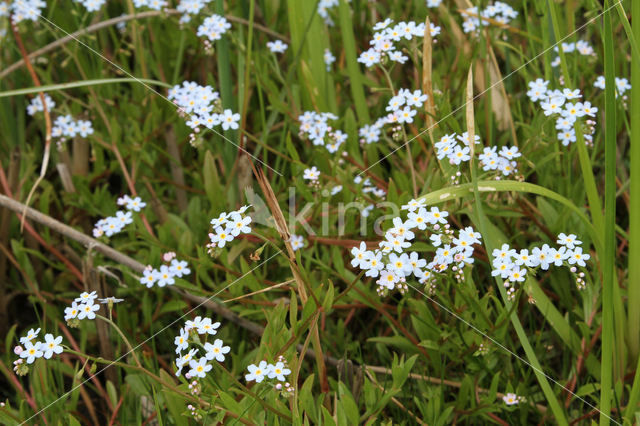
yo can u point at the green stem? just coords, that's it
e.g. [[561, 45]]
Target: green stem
[[606, 379], [83, 83], [633, 261], [126, 341]]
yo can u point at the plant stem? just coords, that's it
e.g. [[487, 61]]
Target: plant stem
[[606, 380], [126, 341], [633, 261]]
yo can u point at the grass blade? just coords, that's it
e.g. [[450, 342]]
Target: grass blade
[[633, 282], [82, 83], [225, 85], [351, 57], [608, 261]]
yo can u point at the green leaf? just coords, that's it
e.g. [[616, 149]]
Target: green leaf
[[348, 404], [351, 57], [83, 83]]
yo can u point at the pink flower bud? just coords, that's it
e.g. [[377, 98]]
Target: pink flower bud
[[17, 350]]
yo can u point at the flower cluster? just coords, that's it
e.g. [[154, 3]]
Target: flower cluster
[[581, 46], [115, 224], [227, 226], [213, 27], [191, 332], [314, 126], [323, 10], [277, 46], [166, 275], [368, 187], [83, 307], [502, 161], [561, 103], [402, 108], [36, 103], [385, 37], [151, 4], [622, 85], [392, 263], [190, 7], [91, 5], [202, 105], [513, 266], [35, 349], [271, 371], [448, 147], [498, 12], [23, 10], [66, 126]]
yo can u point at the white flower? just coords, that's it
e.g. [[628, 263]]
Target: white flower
[[413, 205], [359, 255], [32, 334], [311, 174], [256, 373], [419, 218], [558, 255], [406, 115], [216, 351], [229, 120], [71, 312], [110, 300], [51, 345], [189, 324], [206, 327], [552, 106], [396, 243], [86, 297], [239, 225], [577, 257], [510, 399], [399, 265], [182, 341], [459, 155], [179, 268], [297, 242], [436, 216], [388, 279], [221, 237], [135, 204], [277, 46], [184, 360], [568, 240], [124, 218], [199, 368], [165, 277], [373, 264], [278, 371], [149, 277], [88, 310], [31, 351], [517, 274], [543, 256], [328, 58]]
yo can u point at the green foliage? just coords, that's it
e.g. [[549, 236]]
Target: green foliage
[[431, 355]]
